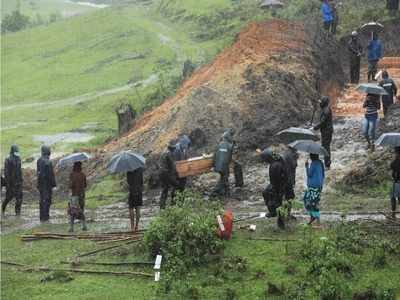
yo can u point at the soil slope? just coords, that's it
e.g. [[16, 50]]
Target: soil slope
[[266, 81]]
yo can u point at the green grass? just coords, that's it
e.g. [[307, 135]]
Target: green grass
[[44, 8], [265, 262], [95, 52]]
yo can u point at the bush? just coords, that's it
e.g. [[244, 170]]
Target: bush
[[14, 21], [185, 234]]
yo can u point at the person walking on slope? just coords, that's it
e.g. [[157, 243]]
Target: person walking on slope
[[13, 180], [371, 104], [315, 181], [76, 206], [168, 174], [325, 125], [135, 201], [395, 166], [356, 51], [222, 159], [278, 178], [374, 55], [45, 182], [327, 16], [391, 88], [181, 152]]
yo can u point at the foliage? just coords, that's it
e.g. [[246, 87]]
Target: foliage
[[58, 276], [14, 21], [185, 234]]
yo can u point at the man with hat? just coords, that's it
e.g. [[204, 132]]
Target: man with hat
[[356, 51], [168, 174], [13, 180]]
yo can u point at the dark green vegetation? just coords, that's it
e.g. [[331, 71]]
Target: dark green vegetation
[[338, 262]]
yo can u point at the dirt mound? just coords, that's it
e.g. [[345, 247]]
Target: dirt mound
[[267, 80]]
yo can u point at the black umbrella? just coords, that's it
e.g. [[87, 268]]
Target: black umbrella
[[125, 161], [371, 88], [309, 147], [390, 139], [73, 158], [295, 133], [372, 27]]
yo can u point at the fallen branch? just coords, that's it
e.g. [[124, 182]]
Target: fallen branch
[[105, 249], [47, 269], [141, 263], [273, 240]]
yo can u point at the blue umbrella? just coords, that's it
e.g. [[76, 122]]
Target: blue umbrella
[[126, 161], [73, 158], [371, 88], [309, 147], [390, 139]]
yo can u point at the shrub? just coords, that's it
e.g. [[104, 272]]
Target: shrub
[[185, 234]]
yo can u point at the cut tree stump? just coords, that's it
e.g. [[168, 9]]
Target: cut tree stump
[[126, 118]]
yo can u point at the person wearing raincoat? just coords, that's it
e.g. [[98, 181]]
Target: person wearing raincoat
[[325, 125], [168, 174], [13, 180], [279, 181], [45, 182], [315, 181], [181, 152], [222, 159], [395, 167], [327, 15], [356, 51]]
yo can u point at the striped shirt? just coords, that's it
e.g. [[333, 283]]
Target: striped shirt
[[372, 104]]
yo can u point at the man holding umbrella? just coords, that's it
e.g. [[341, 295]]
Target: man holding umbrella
[[325, 125]]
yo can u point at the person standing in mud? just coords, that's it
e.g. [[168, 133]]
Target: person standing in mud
[[374, 55], [77, 184], [45, 182], [315, 181], [327, 16], [135, 183], [390, 87], [325, 125], [279, 181], [356, 51], [290, 157], [181, 153], [13, 180], [222, 159], [395, 167], [168, 174], [371, 104]]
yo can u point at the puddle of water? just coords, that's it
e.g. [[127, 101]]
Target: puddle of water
[[90, 4], [68, 137]]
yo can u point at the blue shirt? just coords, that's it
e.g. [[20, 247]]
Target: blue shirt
[[315, 174], [326, 12], [374, 50]]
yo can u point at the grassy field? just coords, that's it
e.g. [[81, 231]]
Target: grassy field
[[246, 270], [70, 74], [45, 8]]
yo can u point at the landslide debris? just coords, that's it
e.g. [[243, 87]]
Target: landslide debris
[[269, 79]]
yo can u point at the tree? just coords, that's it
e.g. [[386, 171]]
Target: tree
[[14, 22]]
